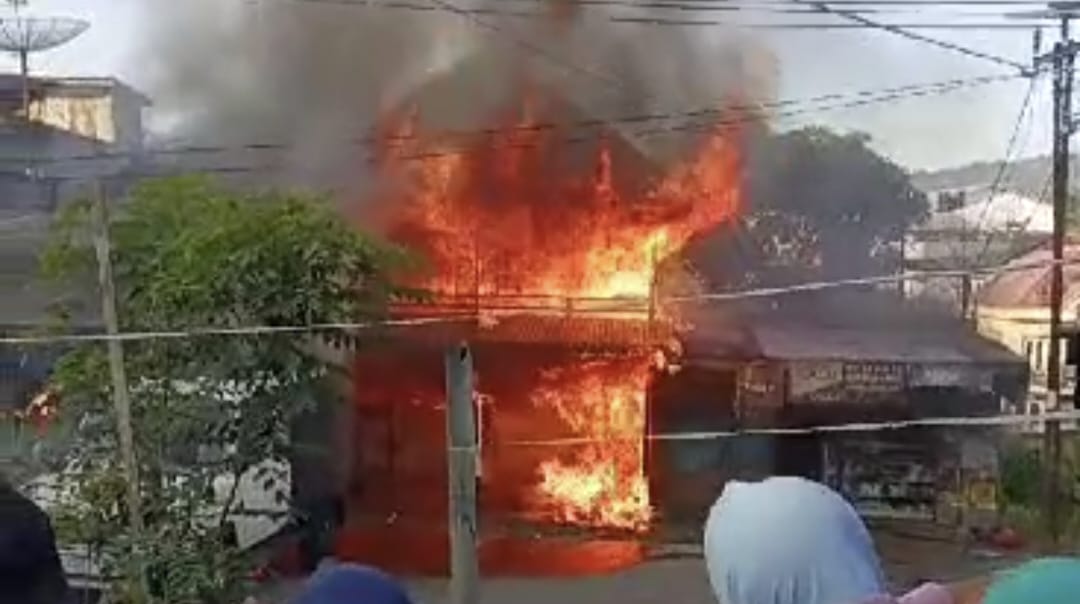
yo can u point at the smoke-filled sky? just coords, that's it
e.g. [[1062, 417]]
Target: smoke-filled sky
[[230, 67]]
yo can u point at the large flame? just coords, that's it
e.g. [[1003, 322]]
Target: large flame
[[599, 480], [531, 209], [509, 213]]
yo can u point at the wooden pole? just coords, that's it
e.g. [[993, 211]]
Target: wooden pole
[[1063, 74], [24, 69], [461, 455], [120, 394], [966, 313]]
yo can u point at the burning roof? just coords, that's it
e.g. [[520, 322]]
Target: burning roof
[[543, 201]]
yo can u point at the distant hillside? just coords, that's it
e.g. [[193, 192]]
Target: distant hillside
[[1026, 176]]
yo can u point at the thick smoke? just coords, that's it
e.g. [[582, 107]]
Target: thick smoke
[[316, 75]]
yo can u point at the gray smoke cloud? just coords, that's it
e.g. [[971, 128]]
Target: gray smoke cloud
[[319, 74]]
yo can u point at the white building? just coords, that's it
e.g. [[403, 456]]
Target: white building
[[986, 231]]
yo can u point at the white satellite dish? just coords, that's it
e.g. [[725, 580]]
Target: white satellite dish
[[25, 35]]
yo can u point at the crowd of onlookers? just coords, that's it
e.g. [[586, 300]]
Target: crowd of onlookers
[[779, 541]]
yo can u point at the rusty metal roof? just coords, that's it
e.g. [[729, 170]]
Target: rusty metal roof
[[540, 329], [800, 342], [1030, 287]]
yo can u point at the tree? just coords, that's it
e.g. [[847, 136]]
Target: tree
[[825, 205], [188, 254]]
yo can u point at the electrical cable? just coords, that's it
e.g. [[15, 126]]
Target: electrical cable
[[1002, 168], [902, 31], [928, 422], [709, 297], [1043, 194], [855, 99]]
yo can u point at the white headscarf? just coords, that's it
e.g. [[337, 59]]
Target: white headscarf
[[789, 541]]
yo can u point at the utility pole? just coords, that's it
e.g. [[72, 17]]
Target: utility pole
[[461, 456], [120, 394], [965, 298], [1062, 57]]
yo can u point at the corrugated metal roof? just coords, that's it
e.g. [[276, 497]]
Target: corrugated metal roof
[[795, 342], [1030, 287]]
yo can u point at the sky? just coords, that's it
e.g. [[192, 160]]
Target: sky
[[919, 133]]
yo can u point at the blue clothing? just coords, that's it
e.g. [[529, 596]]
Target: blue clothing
[[789, 541], [1045, 581], [352, 584]]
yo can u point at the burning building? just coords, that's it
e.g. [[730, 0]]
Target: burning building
[[548, 229]]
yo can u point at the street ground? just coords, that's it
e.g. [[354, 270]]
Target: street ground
[[676, 573]]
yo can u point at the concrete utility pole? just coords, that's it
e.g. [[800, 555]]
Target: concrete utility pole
[[120, 394], [461, 456]]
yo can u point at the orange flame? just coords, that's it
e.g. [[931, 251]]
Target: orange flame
[[599, 480], [508, 215], [531, 210]]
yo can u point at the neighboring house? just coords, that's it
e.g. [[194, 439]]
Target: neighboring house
[[828, 358], [969, 229], [1013, 307], [46, 161], [103, 109]]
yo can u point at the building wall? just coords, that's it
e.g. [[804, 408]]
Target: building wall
[[111, 114], [1025, 331], [91, 117]]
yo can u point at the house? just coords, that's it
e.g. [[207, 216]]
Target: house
[[1013, 308], [970, 229], [102, 109], [825, 359], [44, 162]]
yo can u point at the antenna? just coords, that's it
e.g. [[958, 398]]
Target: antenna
[[24, 35]]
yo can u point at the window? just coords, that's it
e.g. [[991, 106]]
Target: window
[[1038, 355]]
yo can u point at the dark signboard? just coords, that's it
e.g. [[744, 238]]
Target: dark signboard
[[874, 377]]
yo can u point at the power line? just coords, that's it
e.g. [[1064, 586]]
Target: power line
[[473, 14], [531, 46], [928, 422], [705, 4], [1043, 194], [813, 104], [260, 330], [784, 7], [904, 32], [772, 292], [660, 21], [769, 292], [996, 185]]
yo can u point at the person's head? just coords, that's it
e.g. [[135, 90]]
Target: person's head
[[351, 584], [789, 541], [1045, 581]]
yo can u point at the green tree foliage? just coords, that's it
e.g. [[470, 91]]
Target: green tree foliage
[[826, 205], [189, 254], [1021, 476]]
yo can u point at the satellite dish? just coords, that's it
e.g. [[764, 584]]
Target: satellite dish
[[24, 35]]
